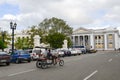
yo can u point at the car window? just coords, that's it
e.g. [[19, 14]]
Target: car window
[[23, 52], [30, 51], [3, 53], [37, 51]]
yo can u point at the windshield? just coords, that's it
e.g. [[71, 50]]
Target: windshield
[[37, 51]]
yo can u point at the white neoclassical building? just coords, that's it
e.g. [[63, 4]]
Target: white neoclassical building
[[99, 39]]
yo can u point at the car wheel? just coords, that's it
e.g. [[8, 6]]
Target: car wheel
[[7, 63], [29, 60], [17, 61], [44, 65]]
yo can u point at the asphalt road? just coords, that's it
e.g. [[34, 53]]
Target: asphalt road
[[97, 66]]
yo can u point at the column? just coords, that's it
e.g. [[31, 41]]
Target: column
[[78, 40], [92, 41], [105, 40], [73, 40], [115, 41]]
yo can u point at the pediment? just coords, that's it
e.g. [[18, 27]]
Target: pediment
[[82, 30]]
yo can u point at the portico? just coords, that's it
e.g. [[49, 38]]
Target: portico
[[100, 39]]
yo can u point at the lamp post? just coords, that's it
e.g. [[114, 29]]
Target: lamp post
[[13, 27]]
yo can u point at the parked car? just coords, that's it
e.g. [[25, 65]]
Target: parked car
[[67, 52], [61, 53], [74, 52], [36, 52], [79, 51], [82, 48], [10, 50], [54, 53], [29, 50], [5, 58], [20, 56], [92, 51]]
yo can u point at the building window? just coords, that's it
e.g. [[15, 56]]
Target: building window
[[95, 37], [99, 37]]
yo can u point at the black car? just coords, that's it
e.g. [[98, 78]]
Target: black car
[[5, 58]]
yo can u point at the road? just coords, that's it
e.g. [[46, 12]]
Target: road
[[97, 66]]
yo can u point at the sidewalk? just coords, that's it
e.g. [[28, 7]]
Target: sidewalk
[[107, 51]]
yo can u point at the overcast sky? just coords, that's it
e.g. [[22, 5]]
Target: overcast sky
[[77, 13]]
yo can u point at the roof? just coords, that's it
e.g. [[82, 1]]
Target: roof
[[82, 30]]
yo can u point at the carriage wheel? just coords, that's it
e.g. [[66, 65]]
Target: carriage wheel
[[38, 64], [61, 63], [44, 65]]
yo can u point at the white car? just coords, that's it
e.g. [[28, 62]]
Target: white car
[[78, 51], [36, 52], [61, 53], [74, 52]]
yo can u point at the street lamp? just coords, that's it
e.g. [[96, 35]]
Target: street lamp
[[13, 27]]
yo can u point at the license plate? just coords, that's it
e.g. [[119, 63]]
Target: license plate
[[3, 61]]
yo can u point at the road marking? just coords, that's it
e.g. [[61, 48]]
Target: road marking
[[90, 75], [109, 60], [21, 72]]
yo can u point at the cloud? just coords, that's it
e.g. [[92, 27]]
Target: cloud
[[113, 14], [86, 13]]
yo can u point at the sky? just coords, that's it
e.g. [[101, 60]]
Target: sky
[[92, 14]]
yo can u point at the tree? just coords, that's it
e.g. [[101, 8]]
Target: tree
[[1, 44], [55, 40], [22, 43], [54, 25], [18, 43], [35, 31], [49, 27], [6, 37]]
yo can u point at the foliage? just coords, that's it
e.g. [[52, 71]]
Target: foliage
[[49, 27], [56, 40], [54, 25], [22, 43], [4, 35], [1, 44], [35, 31]]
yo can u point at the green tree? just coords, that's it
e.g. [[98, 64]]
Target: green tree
[[1, 44], [6, 37], [22, 43], [49, 27], [18, 43], [54, 25], [34, 31], [56, 40]]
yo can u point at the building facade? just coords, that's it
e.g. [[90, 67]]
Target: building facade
[[99, 39]]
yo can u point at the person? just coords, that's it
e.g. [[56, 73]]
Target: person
[[44, 54], [49, 55], [54, 57]]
